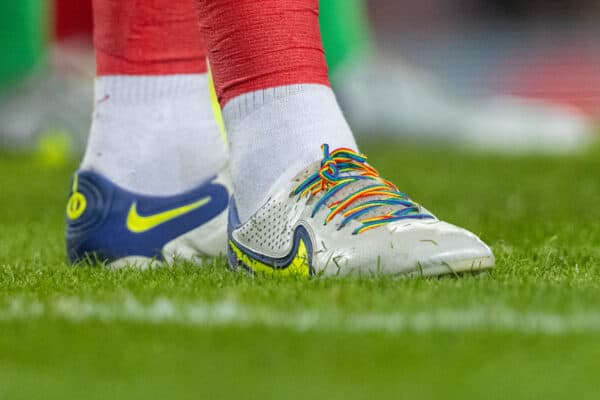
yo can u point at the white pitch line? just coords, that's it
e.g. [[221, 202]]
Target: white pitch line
[[231, 313]]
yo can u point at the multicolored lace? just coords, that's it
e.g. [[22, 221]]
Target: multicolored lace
[[343, 167]]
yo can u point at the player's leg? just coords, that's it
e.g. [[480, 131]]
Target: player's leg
[[299, 207], [271, 77], [155, 152]]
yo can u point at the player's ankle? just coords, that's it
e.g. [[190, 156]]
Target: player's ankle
[[154, 134], [276, 132]]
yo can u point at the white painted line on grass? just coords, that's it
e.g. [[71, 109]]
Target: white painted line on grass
[[231, 313]]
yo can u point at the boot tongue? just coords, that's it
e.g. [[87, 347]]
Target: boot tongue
[[348, 190]]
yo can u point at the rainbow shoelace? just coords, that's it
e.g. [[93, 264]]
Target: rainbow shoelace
[[341, 168]]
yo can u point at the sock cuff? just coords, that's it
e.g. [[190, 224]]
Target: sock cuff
[[241, 106], [135, 89]]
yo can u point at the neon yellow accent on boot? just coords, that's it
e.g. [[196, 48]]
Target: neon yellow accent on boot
[[137, 223], [77, 202], [299, 265]]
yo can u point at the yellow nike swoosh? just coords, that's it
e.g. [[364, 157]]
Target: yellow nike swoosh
[[137, 223], [298, 266]]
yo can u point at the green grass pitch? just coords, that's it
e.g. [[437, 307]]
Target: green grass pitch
[[528, 330]]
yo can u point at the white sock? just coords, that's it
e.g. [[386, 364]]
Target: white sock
[[154, 135], [275, 133]]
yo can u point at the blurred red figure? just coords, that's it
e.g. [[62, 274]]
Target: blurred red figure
[[73, 18]]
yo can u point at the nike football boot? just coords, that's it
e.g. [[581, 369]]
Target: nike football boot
[[338, 216], [109, 224]]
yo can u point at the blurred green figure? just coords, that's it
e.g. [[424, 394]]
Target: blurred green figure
[[24, 35], [346, 33]]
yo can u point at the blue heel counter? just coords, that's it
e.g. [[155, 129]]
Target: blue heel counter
[[101, 232], [84, 236]]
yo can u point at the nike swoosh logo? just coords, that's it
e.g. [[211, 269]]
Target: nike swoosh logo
[[137, 223], [297, 262]]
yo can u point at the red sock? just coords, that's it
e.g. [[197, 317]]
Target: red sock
[[149, 37], [255, 45]]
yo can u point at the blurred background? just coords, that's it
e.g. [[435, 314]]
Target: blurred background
[[498, 75]]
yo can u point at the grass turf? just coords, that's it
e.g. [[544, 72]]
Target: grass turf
[[529, 329]]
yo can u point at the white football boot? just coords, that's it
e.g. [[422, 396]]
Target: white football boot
[[338, 216]]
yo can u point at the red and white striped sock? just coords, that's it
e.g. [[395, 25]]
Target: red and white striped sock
[[153, 128]]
